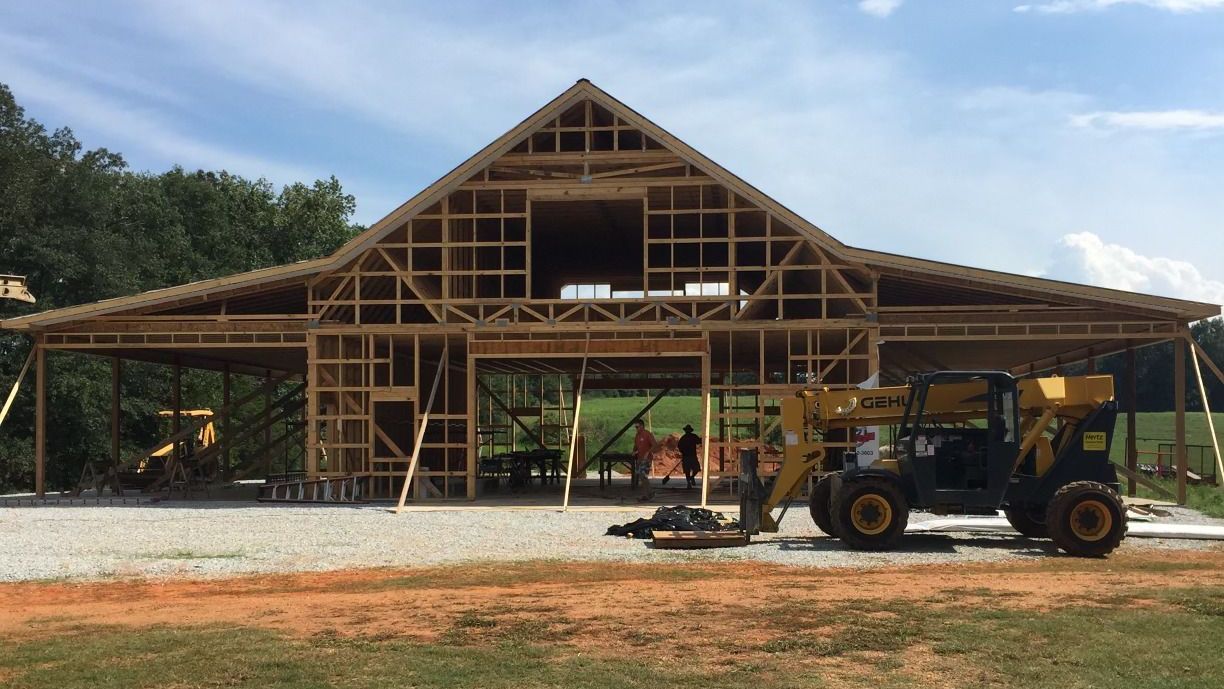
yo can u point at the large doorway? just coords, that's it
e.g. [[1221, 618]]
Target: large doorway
[[528, 417]]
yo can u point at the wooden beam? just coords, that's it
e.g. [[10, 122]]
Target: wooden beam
[[1215, 443], [226, 426], [705, 429], [1132, 403], [420, 439], [1179, 418], [616, 436], [643, 383], [510, 412], [176, 405], [8, 401], [473, 414], [578, 348], [116, 379], [1145, 481], [212, 454], [40, 419], [1202, 353], [569, 468]]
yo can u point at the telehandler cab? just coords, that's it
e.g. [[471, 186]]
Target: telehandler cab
[[968, 442]]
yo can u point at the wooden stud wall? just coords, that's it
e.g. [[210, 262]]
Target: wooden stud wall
[[366, 403]]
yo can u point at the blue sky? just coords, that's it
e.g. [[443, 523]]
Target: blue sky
[[1078, 139]]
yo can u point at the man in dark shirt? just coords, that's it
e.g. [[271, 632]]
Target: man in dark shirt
[[688, 444]]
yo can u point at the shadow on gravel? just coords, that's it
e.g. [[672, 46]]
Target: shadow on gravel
[[925, 544]]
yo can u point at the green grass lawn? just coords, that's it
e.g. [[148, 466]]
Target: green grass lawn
[[956, 638]]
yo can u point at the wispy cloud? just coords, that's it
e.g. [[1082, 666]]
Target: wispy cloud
[[1153, 120], [1085, 257], [1074, 6], [117, 124], [879, 8]]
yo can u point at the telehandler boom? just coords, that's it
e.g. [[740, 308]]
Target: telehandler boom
[[968, 442]]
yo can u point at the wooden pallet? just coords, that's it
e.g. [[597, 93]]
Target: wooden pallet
[[700, 539]]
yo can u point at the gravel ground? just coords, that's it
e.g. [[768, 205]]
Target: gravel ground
[[217, 539]]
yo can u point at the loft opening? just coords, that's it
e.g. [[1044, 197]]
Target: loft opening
[[588, 242]]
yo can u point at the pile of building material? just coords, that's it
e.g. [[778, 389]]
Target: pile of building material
[[676, 520]]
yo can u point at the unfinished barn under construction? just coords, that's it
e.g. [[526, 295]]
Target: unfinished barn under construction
[[587, 248]]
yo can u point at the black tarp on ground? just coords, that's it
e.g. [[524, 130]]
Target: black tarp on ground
[[678, 518]]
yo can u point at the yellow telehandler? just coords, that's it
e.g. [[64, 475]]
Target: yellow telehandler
[[968, 442]]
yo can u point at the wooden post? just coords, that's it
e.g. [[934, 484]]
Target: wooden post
[[176, 393], [1215, 444], [420, 439], [569, 467], [1179, 419], [226, 467], [705, 428], [1132, 402], [473, 454], [116, 376], [312, 406], [40, 419], [267, 417]]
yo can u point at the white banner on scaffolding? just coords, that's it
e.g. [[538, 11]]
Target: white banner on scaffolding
[[867, 438]]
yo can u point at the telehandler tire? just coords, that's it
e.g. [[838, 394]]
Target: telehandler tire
[[818, 504], [1086, 519], [1029, 521], [869, 513]]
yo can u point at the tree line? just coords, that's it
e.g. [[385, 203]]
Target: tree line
[[83, 226], [1154, 367]]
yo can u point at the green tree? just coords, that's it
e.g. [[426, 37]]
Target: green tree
[[82, 227]]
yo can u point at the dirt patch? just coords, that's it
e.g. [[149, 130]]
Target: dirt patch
[[667, 611]]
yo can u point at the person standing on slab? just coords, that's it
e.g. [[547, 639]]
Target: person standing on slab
[[643, 445], [688, 444]]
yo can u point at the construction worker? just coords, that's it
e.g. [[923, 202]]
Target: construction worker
[[688, 444], [643, 447]]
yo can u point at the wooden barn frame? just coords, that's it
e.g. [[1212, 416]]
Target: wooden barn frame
[[589, 247]]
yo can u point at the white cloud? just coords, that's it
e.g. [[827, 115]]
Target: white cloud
[[1085, 257], [1073, 6], [879, 8], [116, 124], [1194, 120]]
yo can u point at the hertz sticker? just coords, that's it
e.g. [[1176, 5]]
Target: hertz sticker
[[1094, 441]]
